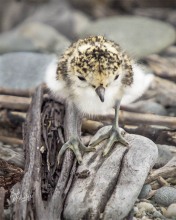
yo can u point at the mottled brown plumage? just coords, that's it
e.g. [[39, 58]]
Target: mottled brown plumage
[[97, 60]]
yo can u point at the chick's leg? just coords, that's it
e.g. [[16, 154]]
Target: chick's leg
[[72, 129], [115, 134]]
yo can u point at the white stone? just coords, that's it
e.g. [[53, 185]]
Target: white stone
[[171, 211]]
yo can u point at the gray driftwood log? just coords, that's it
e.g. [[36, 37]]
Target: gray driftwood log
[[102, 187], [107, 187]]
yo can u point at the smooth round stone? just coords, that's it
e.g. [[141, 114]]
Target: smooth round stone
[[23, 70], [145, 206], [139, 36], [165, 196], [164, 156], [145, 191], [171, 211], [33, 37]]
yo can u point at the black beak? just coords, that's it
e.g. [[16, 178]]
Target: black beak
[[100, 92]]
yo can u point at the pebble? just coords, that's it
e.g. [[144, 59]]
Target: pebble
[[145, 191], [80, 26], [56, 14], [11, 154], [149, 106], [171, 211], [23, 70], [146, 210], [165, 196], [164, 155], [138, 35], [145, 206], [32, 37]]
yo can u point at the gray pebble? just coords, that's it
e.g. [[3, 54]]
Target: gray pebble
[[138, 35], [165, 196], [32, 37], [164, 155], [23, 70], [145, 191]]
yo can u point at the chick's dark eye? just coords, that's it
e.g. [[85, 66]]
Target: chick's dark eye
[[81, 78], [116, 77]]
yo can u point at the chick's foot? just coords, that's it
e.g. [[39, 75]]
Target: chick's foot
[[113, 135], [76, 145]]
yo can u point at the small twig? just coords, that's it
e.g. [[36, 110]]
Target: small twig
[[17, 92], [11, 141], [167, 171], [132, 118], [162, 181], [21, 107]]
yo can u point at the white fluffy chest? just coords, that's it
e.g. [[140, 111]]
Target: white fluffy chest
[[89, 103]]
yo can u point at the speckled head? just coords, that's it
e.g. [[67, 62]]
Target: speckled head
[[96, 60]]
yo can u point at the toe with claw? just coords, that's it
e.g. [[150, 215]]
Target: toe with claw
[[77, 147], [113, 136]]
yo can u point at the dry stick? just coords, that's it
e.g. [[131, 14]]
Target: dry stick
[[21, 107], [31, 183], [167, 171], [20, 92], [132, 118], [16, 92], [10, 140], [126, 117], [68, 167], [32, 179]]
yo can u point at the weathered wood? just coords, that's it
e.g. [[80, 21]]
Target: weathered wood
[[107, 187], [16, 92], [11, 140], [21, 107], [2, 196], [22, 208], [162, 91], [167, 171], [45, 185], [131, 118], [164, 67]]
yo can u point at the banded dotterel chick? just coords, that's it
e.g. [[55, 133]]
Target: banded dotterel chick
[[92, 77]]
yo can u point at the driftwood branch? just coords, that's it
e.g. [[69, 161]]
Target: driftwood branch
[[16, 92], [10, 140], [43, 181], [17, 103], [167, 171]]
